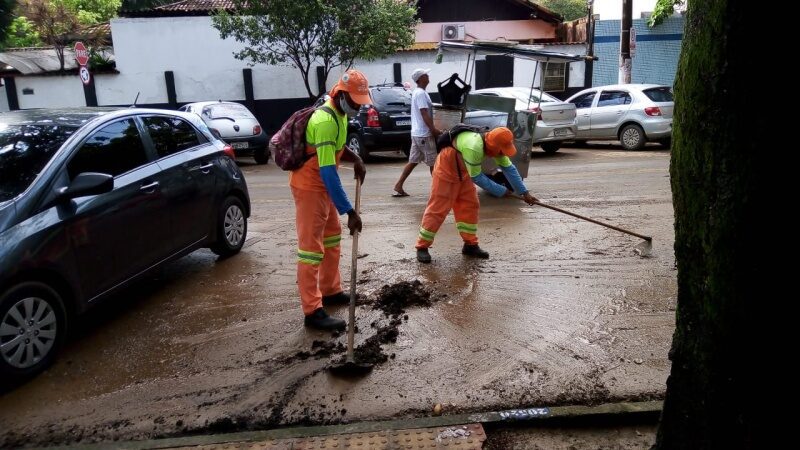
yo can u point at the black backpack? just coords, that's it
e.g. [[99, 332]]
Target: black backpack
[[448, 136]]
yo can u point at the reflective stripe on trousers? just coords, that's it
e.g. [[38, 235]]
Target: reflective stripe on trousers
[[318, 237]]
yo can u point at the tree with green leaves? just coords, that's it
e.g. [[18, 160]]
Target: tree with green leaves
[[664, 9], [325, 33], [718, 176], [6, 18], [568, 9], [55, 22], [22, 33]]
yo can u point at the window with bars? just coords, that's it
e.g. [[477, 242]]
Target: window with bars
[[555, 77]]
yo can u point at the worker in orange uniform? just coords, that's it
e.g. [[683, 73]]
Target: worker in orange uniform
[[319, 200], [455, 174]]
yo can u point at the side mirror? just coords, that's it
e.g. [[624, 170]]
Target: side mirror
[[87, 183]]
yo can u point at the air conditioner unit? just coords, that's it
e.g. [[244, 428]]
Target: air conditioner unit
[[453, 32]]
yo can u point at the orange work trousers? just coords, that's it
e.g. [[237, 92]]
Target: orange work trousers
[[319, 233], [452, 188]]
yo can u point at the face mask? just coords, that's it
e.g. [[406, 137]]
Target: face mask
[[345, 106]]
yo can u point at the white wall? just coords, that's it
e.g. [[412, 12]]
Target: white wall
[[50, 91], [205, 69]]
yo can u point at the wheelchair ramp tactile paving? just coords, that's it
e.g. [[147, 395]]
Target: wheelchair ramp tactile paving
[[458, 437]]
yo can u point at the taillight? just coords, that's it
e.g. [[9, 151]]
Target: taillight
[[228, 150], [652, 111], [257, 129], [215, 132], [372, 118], [536, 111]]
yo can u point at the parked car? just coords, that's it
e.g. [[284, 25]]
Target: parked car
[[630, 113], [91, 199], [386, 124], [234, 124], [555, 120]]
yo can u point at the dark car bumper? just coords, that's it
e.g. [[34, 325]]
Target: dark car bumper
[[247, 145], [377, 138]]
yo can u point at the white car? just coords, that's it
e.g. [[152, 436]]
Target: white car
[[630, 113], [234, 124], [555, 120]]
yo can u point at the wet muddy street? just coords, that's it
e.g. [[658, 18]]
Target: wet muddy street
[[564, 312]]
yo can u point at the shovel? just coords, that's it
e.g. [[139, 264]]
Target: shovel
[[350, 367]]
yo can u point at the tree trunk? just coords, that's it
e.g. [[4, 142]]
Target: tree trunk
[[717, 177]]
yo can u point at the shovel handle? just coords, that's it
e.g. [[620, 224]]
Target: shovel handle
[[351, 323]]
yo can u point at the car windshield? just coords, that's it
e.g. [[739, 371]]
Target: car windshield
[[659, 94], [391, 97], [24, 151], [226, 110]]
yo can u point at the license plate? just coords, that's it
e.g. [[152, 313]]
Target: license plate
[[560, 131], [239, 145], [402, 122]]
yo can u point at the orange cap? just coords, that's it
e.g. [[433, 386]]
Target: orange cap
[[500, 140], [354, 83]]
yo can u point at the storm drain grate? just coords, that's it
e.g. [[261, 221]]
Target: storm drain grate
[[454, 437]]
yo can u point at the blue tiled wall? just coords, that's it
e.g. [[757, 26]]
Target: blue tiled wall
[[657, 51]]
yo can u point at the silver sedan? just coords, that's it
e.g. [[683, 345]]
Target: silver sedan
[[630, 113], [555, 120]]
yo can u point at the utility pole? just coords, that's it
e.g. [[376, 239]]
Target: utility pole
[[625, 60], [589, 64]]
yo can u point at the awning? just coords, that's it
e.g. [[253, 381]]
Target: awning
[[515, 50], [35, 61]]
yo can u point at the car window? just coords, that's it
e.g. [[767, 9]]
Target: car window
[[584, 101], [24, 151], [659, 94], [114, 149], [226, 111], [382, 97], [613, 98], [171, 134], [524, 94]]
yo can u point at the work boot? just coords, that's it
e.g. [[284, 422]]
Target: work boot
[[423, 255], [475, 251], [320, 320], [336, 299]]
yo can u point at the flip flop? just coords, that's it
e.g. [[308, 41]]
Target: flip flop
[[401, 194]]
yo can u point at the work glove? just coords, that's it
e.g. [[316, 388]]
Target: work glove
[[353, 222]]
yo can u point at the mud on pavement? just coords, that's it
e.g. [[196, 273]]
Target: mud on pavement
[[563, 312]]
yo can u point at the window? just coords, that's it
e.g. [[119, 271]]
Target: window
[[554, 77], [170, 135], [584, 101], [226, 111], [659, 94], [24, 151], [114, 149], [614, 98]]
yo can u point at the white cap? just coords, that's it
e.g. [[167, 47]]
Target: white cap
[[418, 73]]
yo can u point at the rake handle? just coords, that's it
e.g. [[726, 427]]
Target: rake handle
[[646, 238]]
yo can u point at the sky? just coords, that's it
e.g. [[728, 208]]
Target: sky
[[612, 9]]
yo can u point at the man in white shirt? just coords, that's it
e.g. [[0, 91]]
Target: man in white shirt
[[423, 132]]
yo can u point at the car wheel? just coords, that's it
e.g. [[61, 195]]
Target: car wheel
[[355, 144], [632, 137], [231, 228], [261, 155], [550, 147], [33, 325]]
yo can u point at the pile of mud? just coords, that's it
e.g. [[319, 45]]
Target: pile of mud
[[392, 299], [371, 351]]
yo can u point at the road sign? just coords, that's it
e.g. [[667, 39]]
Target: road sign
[[81, 54], [86, 77], [633, 42]]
